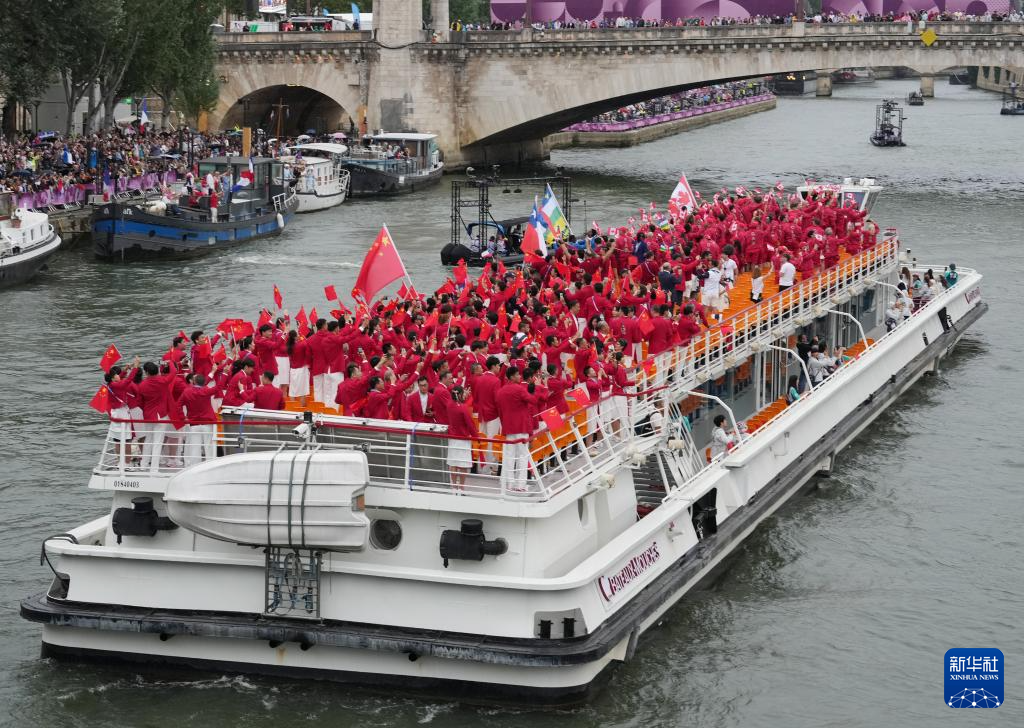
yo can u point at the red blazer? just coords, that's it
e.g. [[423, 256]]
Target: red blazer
[[515, 405], [460, 423], [268, 397]]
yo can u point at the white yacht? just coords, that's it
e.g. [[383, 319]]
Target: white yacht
[[321, 180], [330, 547], [27, 242]]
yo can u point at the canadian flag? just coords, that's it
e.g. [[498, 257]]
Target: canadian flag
[[682, 199]]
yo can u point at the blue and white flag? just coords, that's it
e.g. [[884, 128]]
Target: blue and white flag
[[143, 116]]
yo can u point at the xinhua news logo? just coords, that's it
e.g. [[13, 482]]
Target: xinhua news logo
[[974, 677]]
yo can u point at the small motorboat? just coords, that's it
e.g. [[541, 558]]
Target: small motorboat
[[914, 98], [1013, 105]]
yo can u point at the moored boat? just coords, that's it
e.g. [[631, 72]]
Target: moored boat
[[377, 171], [254, 203], [27, 242], [529, 586], [318, 175], [1013, 105]]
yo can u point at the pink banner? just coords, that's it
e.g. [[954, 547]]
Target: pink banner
[[80, 193], [662, 118]]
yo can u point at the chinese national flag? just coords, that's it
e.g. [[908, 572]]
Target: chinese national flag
[[242, 329], [563, 270], [110, 357], [552, 418], [580, 395], [448, 287], [645, 324], [219, 355], [501, 269], [502, 319], [302, 320], [381, 266], [278, 299], [596, 278], [649, 366], [312, 316], [265, 318], [403, 292], [101, 400], [398, 318], [332, 295]]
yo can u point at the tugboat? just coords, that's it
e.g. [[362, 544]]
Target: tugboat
[[27, 241], [376, 171], [888, 125], [317, 174], [256, 204], [915, 98], [320, 546]]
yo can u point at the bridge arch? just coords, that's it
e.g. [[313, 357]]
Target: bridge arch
[[317, 95]]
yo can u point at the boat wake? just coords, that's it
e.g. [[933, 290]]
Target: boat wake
[[293, 260]]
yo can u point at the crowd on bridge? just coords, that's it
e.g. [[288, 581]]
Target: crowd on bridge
[[694, 98], [620, 22], [488, 356]]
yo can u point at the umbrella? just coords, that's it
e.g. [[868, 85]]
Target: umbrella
[[303, 138], [338, 135]]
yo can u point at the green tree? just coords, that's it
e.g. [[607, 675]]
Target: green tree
[[28, 66]]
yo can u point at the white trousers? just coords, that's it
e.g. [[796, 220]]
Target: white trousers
[[199, 444], [318, 387], [155, 433], [515, 462], [491, 429]]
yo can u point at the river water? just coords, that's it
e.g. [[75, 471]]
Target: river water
[[837, 612]]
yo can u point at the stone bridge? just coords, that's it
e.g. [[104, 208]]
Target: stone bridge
[[492, 96]]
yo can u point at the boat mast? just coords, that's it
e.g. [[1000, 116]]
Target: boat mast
[[280, 107]]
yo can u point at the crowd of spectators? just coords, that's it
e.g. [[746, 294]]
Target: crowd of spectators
[[694, 98]]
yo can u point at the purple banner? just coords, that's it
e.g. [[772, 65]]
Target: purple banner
[[609, 11], [662, 118], [80, 193]]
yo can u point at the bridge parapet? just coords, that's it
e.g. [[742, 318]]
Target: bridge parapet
[[949, 30]]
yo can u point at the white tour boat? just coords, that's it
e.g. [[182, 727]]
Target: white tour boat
[[321, 179], [335, 547], [27, 242]]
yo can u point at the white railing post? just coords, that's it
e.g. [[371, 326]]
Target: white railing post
[[795, 355]]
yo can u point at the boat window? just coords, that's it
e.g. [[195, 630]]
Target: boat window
[[385, 534]]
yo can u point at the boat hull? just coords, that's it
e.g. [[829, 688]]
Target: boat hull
[[123, 234], [20, 268], [551, 671], [314, 201], [367, 182]]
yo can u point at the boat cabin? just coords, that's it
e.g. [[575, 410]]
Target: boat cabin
[[863, 193], [240, 199], [420, 153]]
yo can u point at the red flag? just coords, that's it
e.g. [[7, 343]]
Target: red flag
[[110, 357], [242, 329], [448, 287], [597, 276], [552, 418], [101, 400], [181, 333], [219, 355], [403, 292], [649, 366], [580, 395], [485, 331], [502, 319], [645, 324], [313, 317], [278, 299], [501, 269], [382, 265], [461, 272], [632, 260], [301, 319], [431, 319], [265, 318], [399, 318], [563, 270], [336, 313]]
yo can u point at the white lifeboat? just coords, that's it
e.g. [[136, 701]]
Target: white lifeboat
[[296, 498]]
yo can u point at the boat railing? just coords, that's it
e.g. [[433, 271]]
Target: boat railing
[[278, 201], [591, 443], [735, 339]]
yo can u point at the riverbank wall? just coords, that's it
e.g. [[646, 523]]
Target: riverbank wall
[[994, 78], [638, 131]]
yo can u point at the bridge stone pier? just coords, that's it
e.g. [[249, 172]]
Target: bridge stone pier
[[492, 96]]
